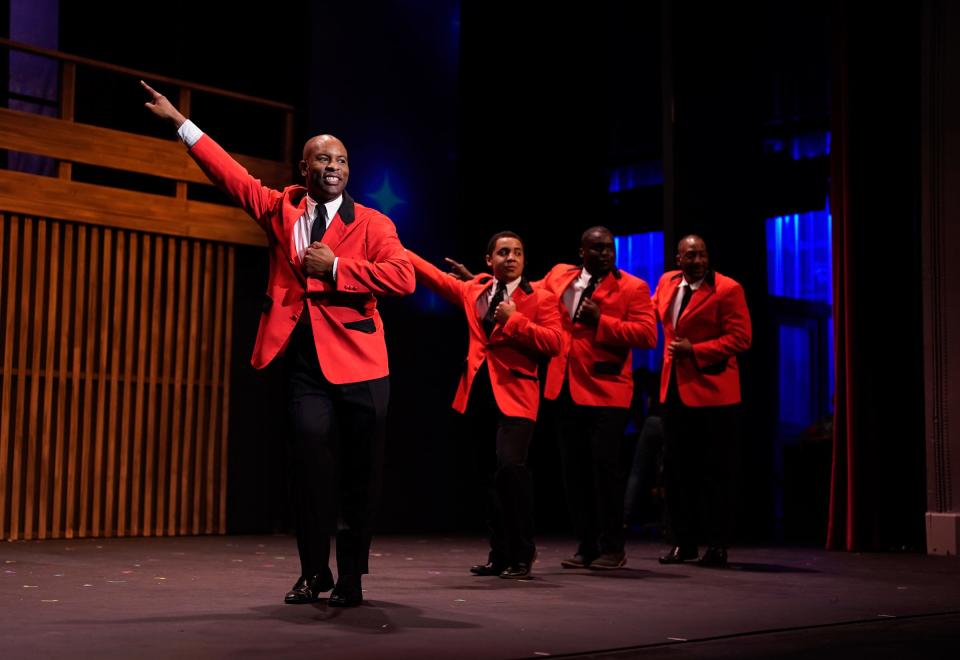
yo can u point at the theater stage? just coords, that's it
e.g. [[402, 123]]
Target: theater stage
[[221, 597]]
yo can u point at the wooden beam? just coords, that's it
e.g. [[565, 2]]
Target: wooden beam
[[111, 207], [105, 147]]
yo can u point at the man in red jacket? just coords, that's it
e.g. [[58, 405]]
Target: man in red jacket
[[329, 257], [511, 326], [705, 325], [606, 312]]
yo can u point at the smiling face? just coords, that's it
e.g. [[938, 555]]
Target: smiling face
[[325, 167], [506, 259], [692, 258]]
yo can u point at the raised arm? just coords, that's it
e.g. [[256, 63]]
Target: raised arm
[[222, 170]]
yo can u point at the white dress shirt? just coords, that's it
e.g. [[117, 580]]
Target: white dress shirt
[[571, 297], [678, 297]]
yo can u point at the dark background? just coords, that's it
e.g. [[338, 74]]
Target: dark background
[[487, 116]]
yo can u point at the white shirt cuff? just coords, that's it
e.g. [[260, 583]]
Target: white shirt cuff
[[189, 133], [336, 260]]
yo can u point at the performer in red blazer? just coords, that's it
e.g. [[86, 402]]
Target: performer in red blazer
[[705, 324], [329, 258], [511, 327], [605, 312]]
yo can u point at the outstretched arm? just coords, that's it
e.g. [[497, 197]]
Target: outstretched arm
[[222, 170], [435, 279], [160, 106]]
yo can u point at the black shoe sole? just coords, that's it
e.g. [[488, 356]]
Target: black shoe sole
[[300, 601]]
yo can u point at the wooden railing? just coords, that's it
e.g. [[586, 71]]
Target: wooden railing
[[115, 329], [70, 142]]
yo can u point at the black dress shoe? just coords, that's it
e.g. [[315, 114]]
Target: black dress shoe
[[308, 589], [713, 557], [679, 554], [347, 593], [490, 568], [609, 562], [576, 561], [516, 571]]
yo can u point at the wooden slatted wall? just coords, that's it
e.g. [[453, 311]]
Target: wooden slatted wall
[[114, 381]]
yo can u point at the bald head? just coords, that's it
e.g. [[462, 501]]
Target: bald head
[[325, 167]]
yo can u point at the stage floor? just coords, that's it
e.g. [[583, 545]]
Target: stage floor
[[221, 597]]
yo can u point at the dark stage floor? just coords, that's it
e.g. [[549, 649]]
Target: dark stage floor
[[213, 597]]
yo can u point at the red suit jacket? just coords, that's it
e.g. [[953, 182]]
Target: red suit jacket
[[347, 328], [596, 361], [513, 349], [717, 323]]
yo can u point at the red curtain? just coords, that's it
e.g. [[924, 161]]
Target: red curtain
[[841, 534]]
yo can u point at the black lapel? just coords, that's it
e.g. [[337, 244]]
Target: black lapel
[[347, 212]]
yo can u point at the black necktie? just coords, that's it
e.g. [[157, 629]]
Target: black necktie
[[488, 321], [319, 224], [687, 292], [587, 292]]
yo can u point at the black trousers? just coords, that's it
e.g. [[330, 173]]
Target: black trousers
[[590, 438], [336, 453], [503, 474], [701, 455]]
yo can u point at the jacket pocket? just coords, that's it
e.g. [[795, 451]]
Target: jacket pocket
[[363, 325], [715, 368], [607, 368], [521, 375]]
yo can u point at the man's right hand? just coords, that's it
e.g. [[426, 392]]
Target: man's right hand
[[458, 270], [161, 107]]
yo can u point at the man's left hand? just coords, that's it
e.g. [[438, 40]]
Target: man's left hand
[[318, 259], [589, 313]]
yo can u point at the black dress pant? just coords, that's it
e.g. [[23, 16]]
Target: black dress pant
[[502, 473], [336, 453], [700, 468], [590, 439]]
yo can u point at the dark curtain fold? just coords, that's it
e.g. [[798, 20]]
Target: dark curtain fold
[[877, 483]]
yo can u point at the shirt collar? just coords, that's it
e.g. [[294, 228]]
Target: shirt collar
[[511, 286], [693, 285], [331, 207]]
